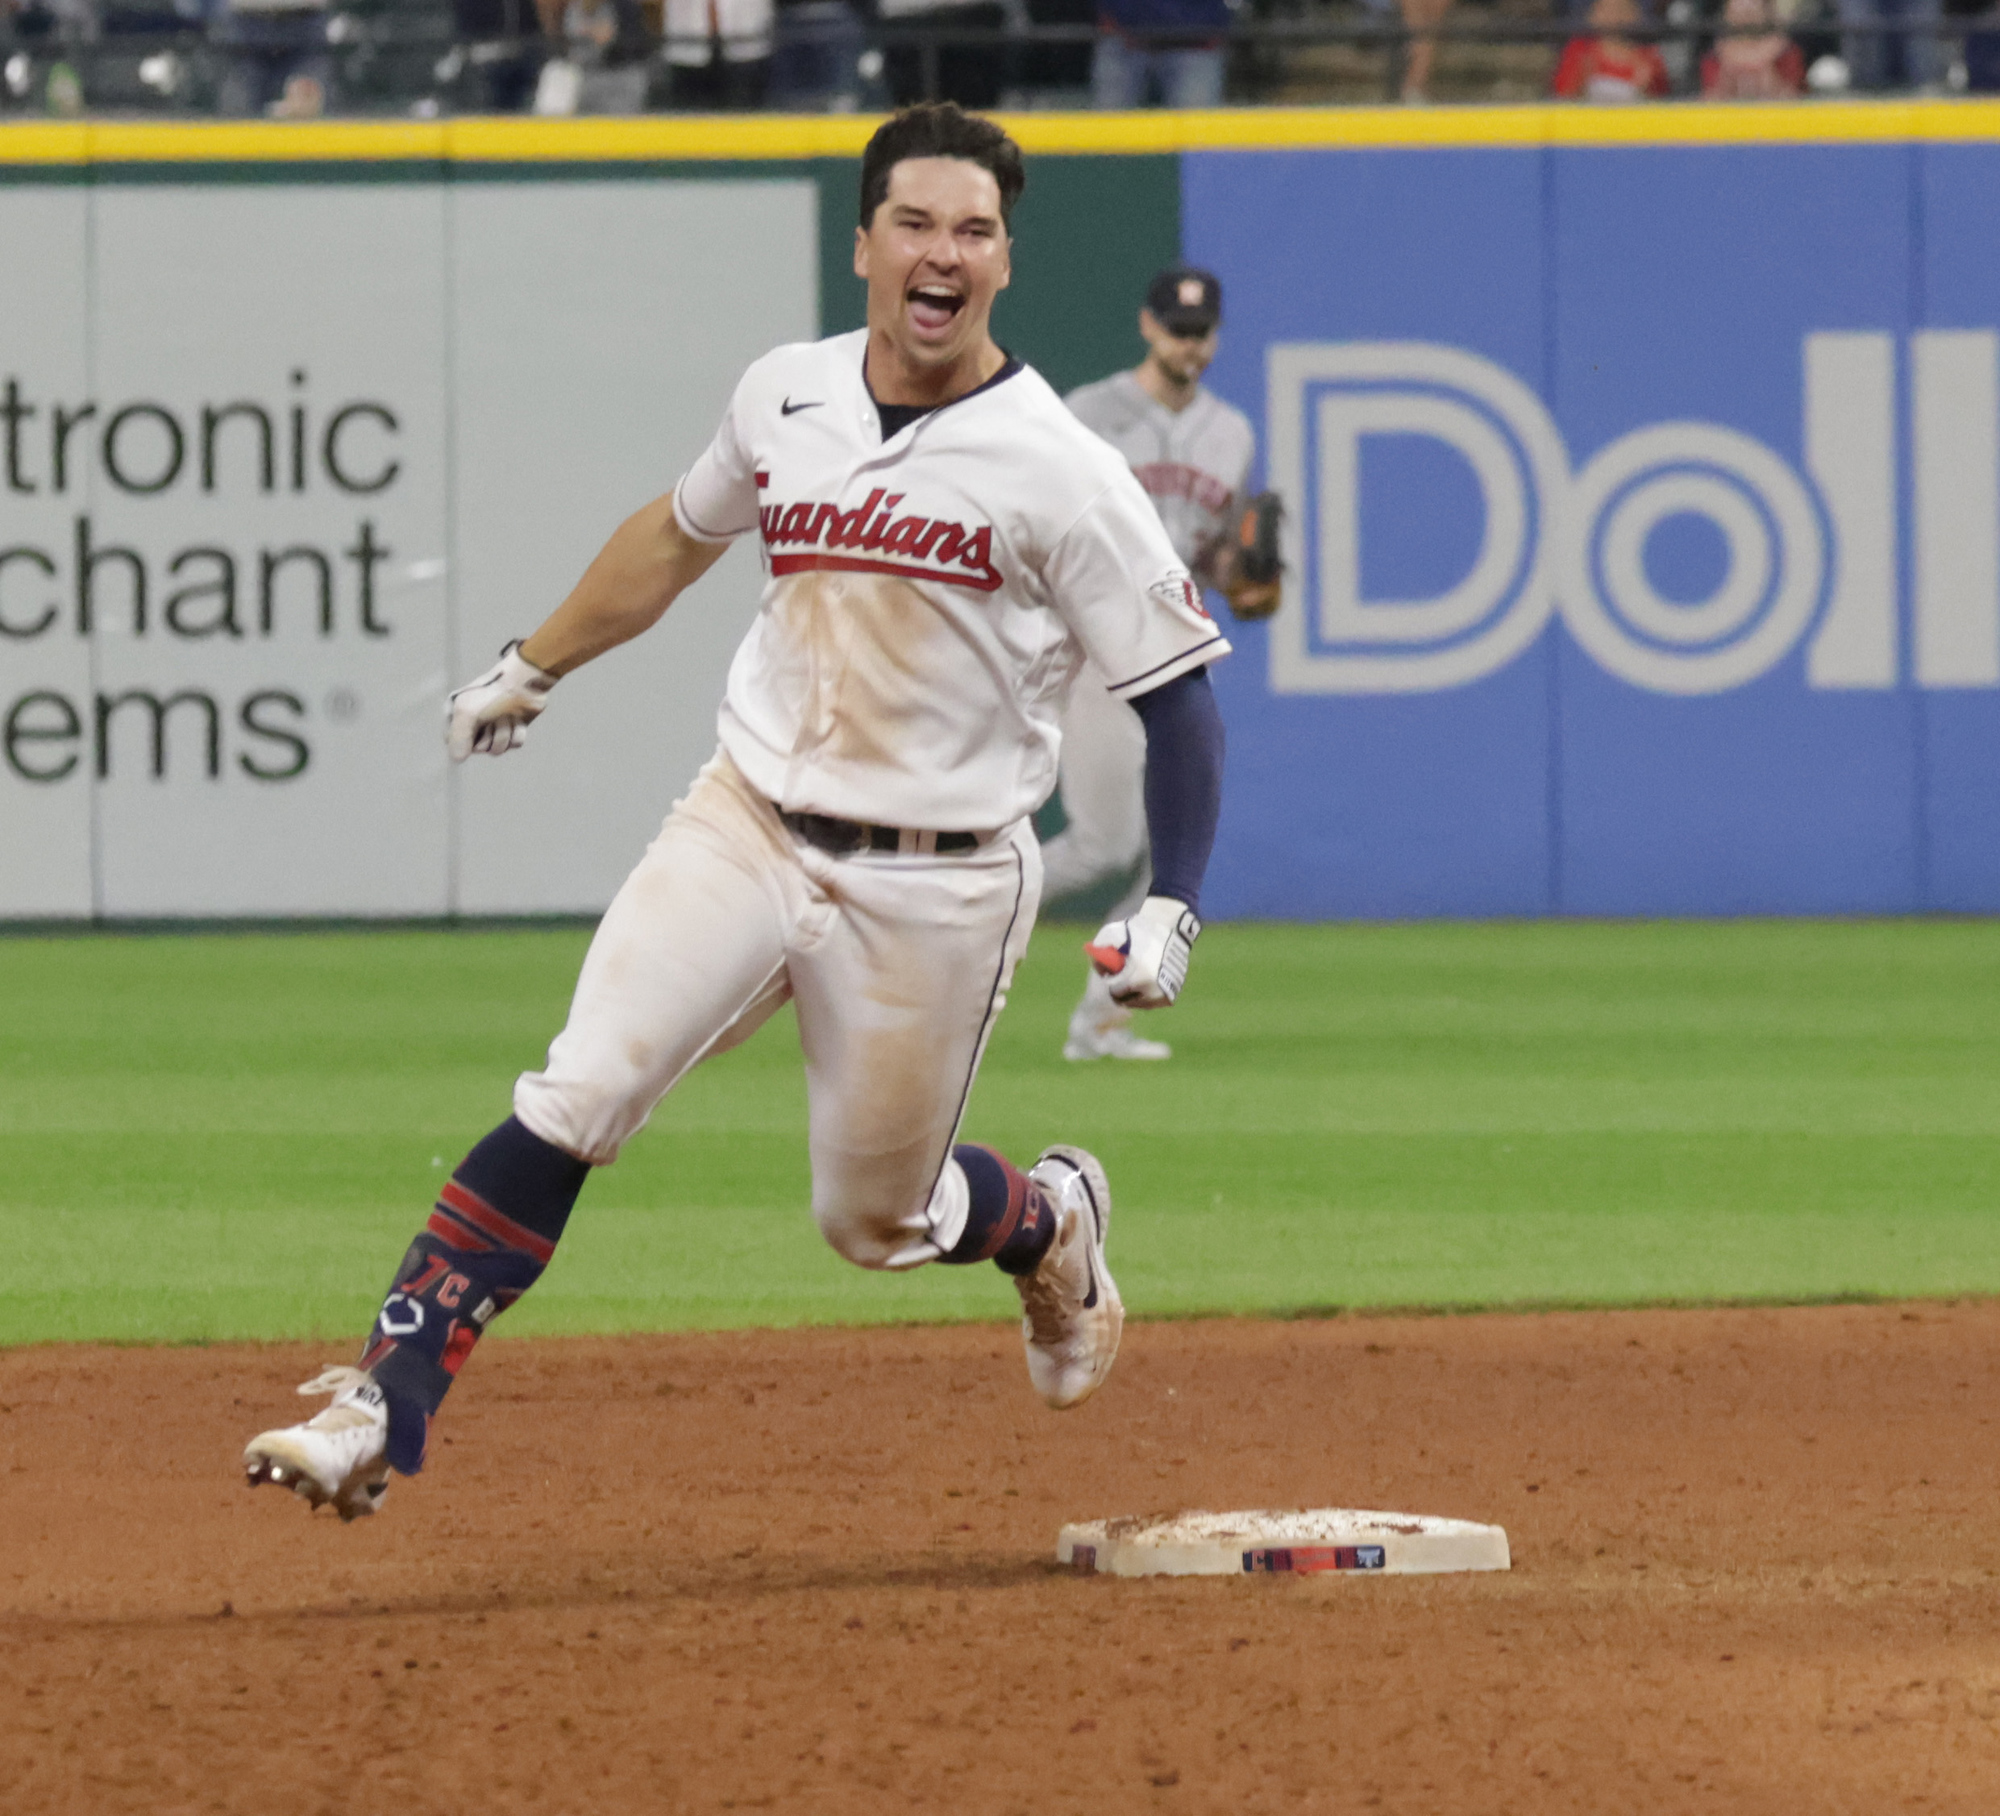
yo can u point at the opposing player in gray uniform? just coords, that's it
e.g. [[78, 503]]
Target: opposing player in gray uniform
[[1192, 452], [944, 544]]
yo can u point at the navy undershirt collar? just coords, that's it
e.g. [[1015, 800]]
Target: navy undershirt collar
[[898, 417]]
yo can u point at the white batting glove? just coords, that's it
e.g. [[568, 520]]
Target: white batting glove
[[492, 713], [1146, 957]]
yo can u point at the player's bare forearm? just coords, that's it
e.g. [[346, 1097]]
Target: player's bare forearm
[[648, 563]]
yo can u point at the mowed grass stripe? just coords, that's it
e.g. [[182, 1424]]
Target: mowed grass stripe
[[221, 1136]]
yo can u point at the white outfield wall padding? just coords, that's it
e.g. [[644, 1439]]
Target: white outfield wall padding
[[1304, 1542], [282, 462], [45, 829]]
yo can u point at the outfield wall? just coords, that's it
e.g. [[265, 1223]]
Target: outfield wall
[[1644, 470], [1646, 527], [287, 460], [297, 427]]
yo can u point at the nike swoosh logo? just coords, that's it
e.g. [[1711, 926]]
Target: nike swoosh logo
[[1097, 1229], [788, 408]]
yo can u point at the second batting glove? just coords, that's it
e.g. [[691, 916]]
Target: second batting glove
[[1146, 956], [492, 713]]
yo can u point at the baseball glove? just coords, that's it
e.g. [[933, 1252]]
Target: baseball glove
[[1254, 581]]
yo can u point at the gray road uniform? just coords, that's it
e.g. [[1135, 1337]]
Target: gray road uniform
[[1195, 466]]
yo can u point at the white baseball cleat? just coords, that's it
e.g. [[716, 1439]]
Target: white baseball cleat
[[335, 1457], [1072, 1313], [1112, 1043], [1100, 1027]]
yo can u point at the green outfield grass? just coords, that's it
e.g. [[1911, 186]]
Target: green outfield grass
[[234, 1135]]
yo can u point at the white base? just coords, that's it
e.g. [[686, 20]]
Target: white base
[[1304, 1542]]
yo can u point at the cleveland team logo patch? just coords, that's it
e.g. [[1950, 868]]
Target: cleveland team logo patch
[[1178, 589], [913, 548]]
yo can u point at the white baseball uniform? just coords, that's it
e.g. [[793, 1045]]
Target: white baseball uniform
[[930, 598], [1194, 465]]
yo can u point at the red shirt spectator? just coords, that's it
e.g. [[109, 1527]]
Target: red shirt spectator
[[1766, 66], [1608, 67]]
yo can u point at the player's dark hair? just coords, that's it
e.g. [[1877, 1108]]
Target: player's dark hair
[[940, 129]]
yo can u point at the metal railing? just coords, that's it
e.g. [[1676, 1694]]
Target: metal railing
[[399, 62]]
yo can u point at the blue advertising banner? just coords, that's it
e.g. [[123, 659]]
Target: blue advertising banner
[[1644, 527]]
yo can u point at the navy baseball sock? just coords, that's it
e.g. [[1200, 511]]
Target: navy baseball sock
[[493, 1230], [1011, 1220]]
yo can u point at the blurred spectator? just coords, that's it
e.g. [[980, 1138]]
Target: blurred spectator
[[1606, 66], [1059, 75], [1165, 53], [276, 58], [719, 51], [498, 55], [1760, 65], [600, 66], [1878, 60], [970, 74], [816, 57], [41, 50], [1421, 17], [1982, 56]]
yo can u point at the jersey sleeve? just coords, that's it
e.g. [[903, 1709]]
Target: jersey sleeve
[[1127, 597], [716, 500]]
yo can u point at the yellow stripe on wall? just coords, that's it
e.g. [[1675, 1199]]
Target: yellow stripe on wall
[[779, 137]]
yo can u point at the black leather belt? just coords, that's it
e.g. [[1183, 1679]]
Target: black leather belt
[[842, 836]]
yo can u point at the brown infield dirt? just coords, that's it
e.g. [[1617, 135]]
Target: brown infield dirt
[[1756, 1568]]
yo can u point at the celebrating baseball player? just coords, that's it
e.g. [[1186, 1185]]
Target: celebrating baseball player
[[1192, 453], [945, 546]]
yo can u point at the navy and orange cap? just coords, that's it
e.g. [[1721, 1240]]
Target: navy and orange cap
[[1185, 299]]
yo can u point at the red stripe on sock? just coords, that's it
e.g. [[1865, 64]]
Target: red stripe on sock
[[482, 1216], [1010, 1221], [460, 1234]]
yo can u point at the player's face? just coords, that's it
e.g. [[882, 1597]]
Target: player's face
[[1185, 359], [935, 256]]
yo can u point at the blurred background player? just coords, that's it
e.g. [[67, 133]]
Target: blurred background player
[[1192, 453]]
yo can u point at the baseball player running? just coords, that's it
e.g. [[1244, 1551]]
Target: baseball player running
[[1192, 453], [945, 545]]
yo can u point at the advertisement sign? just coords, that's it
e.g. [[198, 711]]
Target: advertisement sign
[[1644, 532], [282, 462]]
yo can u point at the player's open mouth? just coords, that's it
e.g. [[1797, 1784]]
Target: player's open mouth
[[934, 308]]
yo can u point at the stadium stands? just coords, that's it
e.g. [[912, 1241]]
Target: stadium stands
[[426, 58]]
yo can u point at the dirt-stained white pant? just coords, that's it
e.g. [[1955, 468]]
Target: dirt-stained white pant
[[897, 963]]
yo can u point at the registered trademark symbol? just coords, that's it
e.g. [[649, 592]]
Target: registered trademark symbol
[[343, 704]]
